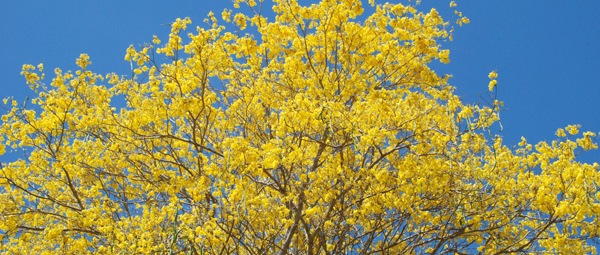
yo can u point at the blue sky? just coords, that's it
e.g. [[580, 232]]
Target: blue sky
[[546, 52]]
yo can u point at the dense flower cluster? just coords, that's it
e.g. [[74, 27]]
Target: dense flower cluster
[[319, 134]]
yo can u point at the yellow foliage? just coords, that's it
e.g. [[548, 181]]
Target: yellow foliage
[[326, 136]]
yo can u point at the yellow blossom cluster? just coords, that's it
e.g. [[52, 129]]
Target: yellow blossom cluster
[[318, 134]]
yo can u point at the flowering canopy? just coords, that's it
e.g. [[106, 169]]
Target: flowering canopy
[[318, 134]]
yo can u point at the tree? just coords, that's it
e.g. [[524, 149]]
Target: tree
[[326, 135]]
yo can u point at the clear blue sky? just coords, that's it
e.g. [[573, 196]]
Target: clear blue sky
[[546, 52]]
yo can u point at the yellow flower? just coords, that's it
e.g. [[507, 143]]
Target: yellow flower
[[523, 141], [156, 40], [83, 61], [573, 129], [226, 15], [492, 84], [240, 21]]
